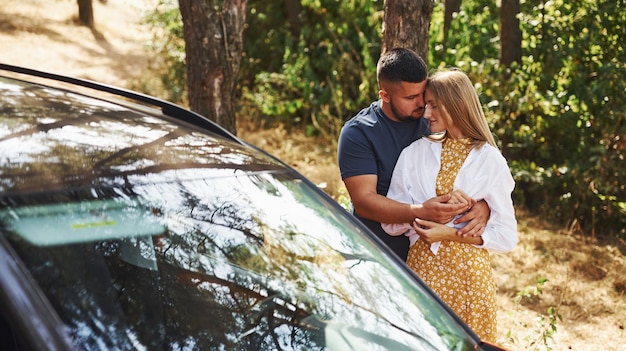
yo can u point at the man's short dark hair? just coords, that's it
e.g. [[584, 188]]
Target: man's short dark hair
[[401, 65]]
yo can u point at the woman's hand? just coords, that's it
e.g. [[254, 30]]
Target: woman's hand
[[432, 231], [460, 197]]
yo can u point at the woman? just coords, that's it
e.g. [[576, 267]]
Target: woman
[[463, 161]]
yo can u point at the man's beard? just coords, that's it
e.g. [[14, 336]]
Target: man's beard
[[407, 118]]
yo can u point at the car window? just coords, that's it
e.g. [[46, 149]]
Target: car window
[[152, 234], [248, 260]]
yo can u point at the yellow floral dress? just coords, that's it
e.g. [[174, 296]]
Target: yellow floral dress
[[459, 273]]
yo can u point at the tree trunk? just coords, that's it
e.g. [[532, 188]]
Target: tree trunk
[[294, 8], [510, 33], [85, 13], [213, 33], [406, 23], [450, 7]]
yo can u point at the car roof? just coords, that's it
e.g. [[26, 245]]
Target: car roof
[[76, 84], [52, 137]]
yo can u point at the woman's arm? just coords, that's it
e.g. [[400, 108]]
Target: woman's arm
[[432, 232], [490, 179]]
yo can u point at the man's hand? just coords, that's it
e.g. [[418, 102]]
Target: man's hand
[[439, 209], [476, 219]]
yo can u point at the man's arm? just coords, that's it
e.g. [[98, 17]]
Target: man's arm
[[369, 204]]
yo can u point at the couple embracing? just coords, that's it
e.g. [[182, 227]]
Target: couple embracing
[[425, 175]]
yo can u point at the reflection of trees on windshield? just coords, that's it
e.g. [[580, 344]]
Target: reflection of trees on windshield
[[67, 140], [159, 142], [221, 302], [232, 247], [223, 253]]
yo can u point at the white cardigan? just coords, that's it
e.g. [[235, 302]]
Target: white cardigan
[[484, 175]]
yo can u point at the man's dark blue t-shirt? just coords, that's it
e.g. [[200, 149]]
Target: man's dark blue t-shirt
[[370, 143]]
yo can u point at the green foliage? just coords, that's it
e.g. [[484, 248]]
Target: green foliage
[[168, 45], [471, 37], [343, 198], [576, 65], [546, 325], [531, 292], [316, 75], [559, 115]]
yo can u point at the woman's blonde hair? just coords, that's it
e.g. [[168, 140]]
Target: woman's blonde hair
[[455, 94]]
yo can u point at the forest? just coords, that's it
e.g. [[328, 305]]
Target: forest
[[558, 113]]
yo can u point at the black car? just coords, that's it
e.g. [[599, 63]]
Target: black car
[[129, 223]]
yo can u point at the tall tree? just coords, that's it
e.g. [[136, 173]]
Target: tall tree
[[450, 7], [406, 23], [293, 8], [85, 13], [510, 32], [213, 33]]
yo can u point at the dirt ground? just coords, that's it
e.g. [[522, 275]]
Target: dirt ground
[[585, 284], [44, 35]]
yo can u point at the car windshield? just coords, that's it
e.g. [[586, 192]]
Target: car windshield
[[149, 234]]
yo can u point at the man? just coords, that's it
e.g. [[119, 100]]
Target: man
[[369, 146]]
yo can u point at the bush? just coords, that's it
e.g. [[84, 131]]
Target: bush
[[317, 75], [560, 114]]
